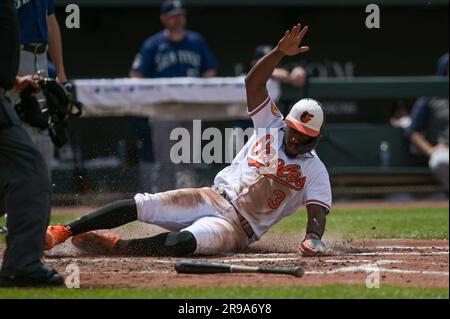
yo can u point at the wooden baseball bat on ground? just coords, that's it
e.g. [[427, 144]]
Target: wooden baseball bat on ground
[[202, 267]]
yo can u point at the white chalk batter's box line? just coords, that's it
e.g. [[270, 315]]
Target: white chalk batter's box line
[[367, 268], [414, 247], [104, 262], [371, 268], [409, 253], [273, 257], [362, 268], [378, 262], [269, 255]]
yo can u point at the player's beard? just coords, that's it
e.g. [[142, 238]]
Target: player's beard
[[287, 151], [290, 155]]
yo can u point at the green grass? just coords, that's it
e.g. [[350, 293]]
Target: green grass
[[385, 223], [283, 292], [407, 223]]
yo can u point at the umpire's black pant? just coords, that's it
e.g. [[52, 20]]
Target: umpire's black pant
[[24, 194]]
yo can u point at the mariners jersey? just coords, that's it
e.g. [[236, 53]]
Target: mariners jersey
[[160, 57], [263, 183], [32, 16]]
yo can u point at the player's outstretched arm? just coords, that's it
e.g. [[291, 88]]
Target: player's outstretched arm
[[316, 219], [312, 245], [255, 82]]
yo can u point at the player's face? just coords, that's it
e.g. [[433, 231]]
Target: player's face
[[292, 140], [174, 23]]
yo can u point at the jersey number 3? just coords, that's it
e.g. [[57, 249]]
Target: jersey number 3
[[279, 197]]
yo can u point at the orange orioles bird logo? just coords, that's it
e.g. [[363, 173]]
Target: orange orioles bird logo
[[275, 110], [306, 117]]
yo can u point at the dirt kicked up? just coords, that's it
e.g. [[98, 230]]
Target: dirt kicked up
[[418, 263]]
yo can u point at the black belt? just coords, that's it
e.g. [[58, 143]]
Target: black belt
[[242, 220], [245, 225], [35, 48]]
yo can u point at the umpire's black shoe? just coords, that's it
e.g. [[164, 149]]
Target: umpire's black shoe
[[44, 276]]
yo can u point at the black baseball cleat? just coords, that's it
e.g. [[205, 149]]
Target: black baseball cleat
[[3, 230], [44, 276]]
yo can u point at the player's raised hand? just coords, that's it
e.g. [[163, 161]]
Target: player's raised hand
[[291, 40]]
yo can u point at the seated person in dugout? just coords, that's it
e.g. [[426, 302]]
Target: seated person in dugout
[[429, 129], [272, 176]]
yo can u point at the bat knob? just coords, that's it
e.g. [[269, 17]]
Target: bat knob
[[298, 272]]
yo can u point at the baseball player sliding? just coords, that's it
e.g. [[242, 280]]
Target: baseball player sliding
[[271, 177]]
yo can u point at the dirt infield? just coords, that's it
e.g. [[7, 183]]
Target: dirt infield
[[415, 263], [419, 263]]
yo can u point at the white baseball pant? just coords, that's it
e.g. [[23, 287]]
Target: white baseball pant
[[202, 211]]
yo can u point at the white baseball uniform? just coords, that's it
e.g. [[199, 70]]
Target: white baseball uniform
[[262, 184]]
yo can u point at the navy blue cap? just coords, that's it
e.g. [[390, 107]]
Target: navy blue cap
[[172, 7]]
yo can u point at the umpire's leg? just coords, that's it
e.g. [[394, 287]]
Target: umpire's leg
[[26, 189]]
